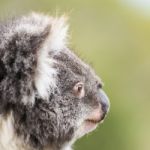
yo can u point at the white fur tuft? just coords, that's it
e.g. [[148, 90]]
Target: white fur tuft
[[8, 137], [58, 33], [45, 79]]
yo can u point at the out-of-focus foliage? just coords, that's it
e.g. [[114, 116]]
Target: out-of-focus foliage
[[116, 39]]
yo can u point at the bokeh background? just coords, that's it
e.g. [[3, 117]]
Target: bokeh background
[[114, 37]]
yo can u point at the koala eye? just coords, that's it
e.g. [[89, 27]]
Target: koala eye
[[99, 85], [79, 90]]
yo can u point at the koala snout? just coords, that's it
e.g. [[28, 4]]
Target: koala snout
[[104, 101]]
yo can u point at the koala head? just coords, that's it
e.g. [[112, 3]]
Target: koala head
[[52, 96]]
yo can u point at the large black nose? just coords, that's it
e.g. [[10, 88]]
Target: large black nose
[[104, 101]]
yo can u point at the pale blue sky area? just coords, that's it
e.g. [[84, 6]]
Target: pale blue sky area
[[141, 6]]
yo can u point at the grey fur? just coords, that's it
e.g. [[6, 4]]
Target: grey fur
[[53, 122]]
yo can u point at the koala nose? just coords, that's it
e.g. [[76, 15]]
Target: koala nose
[[104, 101]]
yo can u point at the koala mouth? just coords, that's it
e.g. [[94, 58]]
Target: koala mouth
[[90, 123], [93, 121], [96, 117]]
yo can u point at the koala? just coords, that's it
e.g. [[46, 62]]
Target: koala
[[49, 97]]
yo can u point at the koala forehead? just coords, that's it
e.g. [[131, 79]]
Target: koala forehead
[[71, 69]]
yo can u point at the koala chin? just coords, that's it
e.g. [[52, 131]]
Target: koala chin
[[48, 96]]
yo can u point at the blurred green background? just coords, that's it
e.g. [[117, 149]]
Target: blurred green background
[[114, 37]]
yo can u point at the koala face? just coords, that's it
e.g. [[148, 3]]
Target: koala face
[[86, 104], [52, 96]]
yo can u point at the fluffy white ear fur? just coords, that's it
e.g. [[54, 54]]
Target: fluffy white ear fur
[[58, 33], [38, 22], [45, 79]]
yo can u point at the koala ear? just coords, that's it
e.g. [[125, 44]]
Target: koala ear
[[25, 47], [45, 77], [56, 39]]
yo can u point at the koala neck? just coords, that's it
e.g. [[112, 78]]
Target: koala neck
[[10, 141]]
